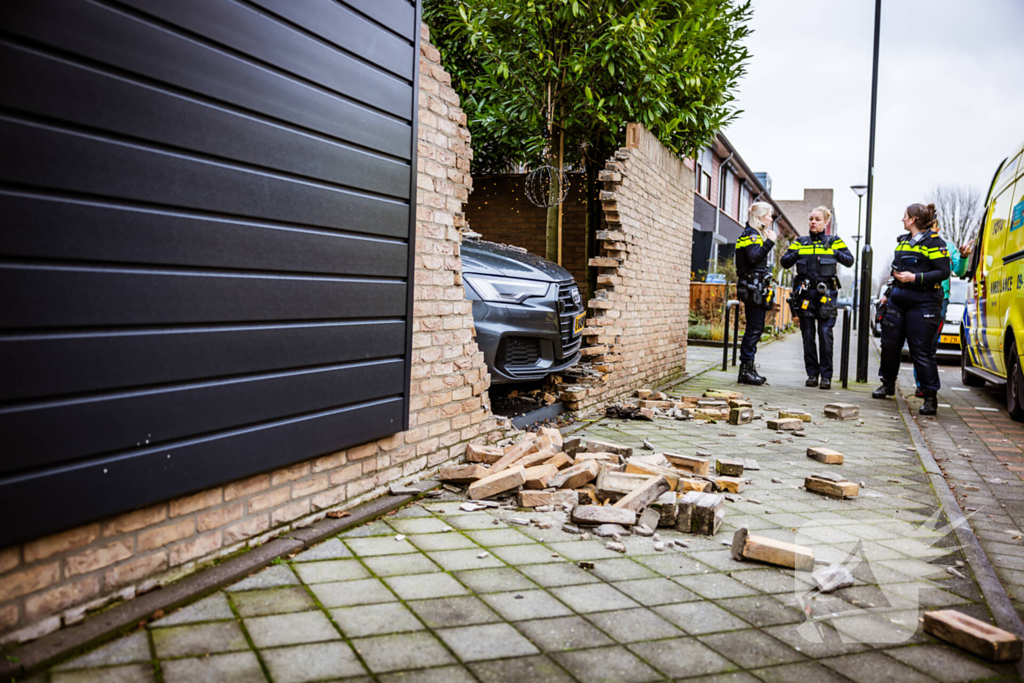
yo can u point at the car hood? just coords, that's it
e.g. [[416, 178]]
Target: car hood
[[489, 258]]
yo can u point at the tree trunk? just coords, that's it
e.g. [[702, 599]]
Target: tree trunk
[[551, 246]]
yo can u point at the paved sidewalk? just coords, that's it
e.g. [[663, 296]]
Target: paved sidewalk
[[979, 449], [477, 597]]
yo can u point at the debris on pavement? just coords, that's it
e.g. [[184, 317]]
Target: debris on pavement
[[785, 425], [701, 513], [984, 640], [842, 411], [832, 485], [746, 546], [693, 464], [730, 468], [832, 577], [826, 456]]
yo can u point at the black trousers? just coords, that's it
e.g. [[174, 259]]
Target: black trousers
[[752, 335], [818, 358], [915, 321]]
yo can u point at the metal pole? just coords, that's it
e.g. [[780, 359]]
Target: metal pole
[[735, 333], [725, 339], [856, 265], [862, 333], [844, 360]]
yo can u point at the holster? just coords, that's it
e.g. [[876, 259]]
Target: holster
[[892, 317], [826, 306]]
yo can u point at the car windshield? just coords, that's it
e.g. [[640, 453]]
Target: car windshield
[[958, 291]]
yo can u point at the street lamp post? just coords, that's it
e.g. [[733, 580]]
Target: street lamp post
[[859, 190], [865, 276]]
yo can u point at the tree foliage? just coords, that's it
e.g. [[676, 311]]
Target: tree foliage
[[589, 67]]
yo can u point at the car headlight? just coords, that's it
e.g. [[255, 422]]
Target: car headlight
[[506, 290]]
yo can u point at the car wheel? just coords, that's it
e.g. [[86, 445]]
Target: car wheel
[[967, 378], [1014, 385]]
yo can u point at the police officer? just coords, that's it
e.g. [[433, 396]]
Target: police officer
[[817, 258], [912, 304], [753, 272]]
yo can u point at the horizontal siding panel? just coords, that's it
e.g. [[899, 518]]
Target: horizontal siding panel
[[67, 430], [54, 297], [82, 96], [341, 26], [64, 228], [255, 34], [56, 364], [93, 490], [43, 156], [397, 15], [113, 38]]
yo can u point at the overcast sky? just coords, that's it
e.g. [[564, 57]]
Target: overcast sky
[[950, 100]]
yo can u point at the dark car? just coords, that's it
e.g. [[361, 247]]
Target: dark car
[[528, 311]]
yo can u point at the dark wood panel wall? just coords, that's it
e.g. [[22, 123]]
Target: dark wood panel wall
[[208, 223]]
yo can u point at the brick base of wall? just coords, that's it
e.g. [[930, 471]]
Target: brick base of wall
[[56, 580]]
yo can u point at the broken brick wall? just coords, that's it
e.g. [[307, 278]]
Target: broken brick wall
[[637, 335], [501, 212], [51, 581]]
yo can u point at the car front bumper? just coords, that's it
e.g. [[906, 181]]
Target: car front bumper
[[529, 341]]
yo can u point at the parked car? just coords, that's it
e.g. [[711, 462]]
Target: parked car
[[528, 311], [993, 317]]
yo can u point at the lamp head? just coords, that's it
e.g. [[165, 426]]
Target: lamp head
[[859, 190]]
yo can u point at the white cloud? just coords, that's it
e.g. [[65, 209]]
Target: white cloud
[[950, 101]]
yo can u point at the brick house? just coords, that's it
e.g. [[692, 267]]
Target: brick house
[[800, 208], [725, 187], [103, 504]]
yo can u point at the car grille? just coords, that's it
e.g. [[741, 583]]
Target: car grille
[[568, 309], [521, 352]]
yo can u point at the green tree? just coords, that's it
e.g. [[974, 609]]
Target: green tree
[[539, 75]]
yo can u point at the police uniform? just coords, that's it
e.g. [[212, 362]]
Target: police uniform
[[817, 258], [753, 272], [912, 314]]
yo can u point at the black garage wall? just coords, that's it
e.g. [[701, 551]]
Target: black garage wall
[[207, 240]]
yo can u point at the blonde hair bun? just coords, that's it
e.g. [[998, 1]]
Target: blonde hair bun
[[757, 211], [824, 212]]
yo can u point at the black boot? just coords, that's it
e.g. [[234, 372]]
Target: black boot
[[826, 383], [931, 403], [811, 382], [757, 375], [884, 391], [748, 375]]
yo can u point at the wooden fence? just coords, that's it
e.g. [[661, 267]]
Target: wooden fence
[[708, 301]]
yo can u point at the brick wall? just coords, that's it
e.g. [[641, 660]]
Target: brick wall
[[500, 211], [54, 580], [637, 336]]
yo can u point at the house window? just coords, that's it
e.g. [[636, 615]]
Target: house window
[[744, 203], [725, 196]]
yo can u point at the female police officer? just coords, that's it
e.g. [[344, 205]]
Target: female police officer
[[753, 274], [912, 304], [817, 258]]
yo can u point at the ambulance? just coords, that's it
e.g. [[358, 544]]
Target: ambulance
[[992, 333]]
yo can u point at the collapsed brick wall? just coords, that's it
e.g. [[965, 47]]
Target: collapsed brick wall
[[54, 580], [500, 211], [637, 335]]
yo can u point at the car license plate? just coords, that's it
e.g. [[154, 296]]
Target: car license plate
[[949, 339], [579, 322]]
